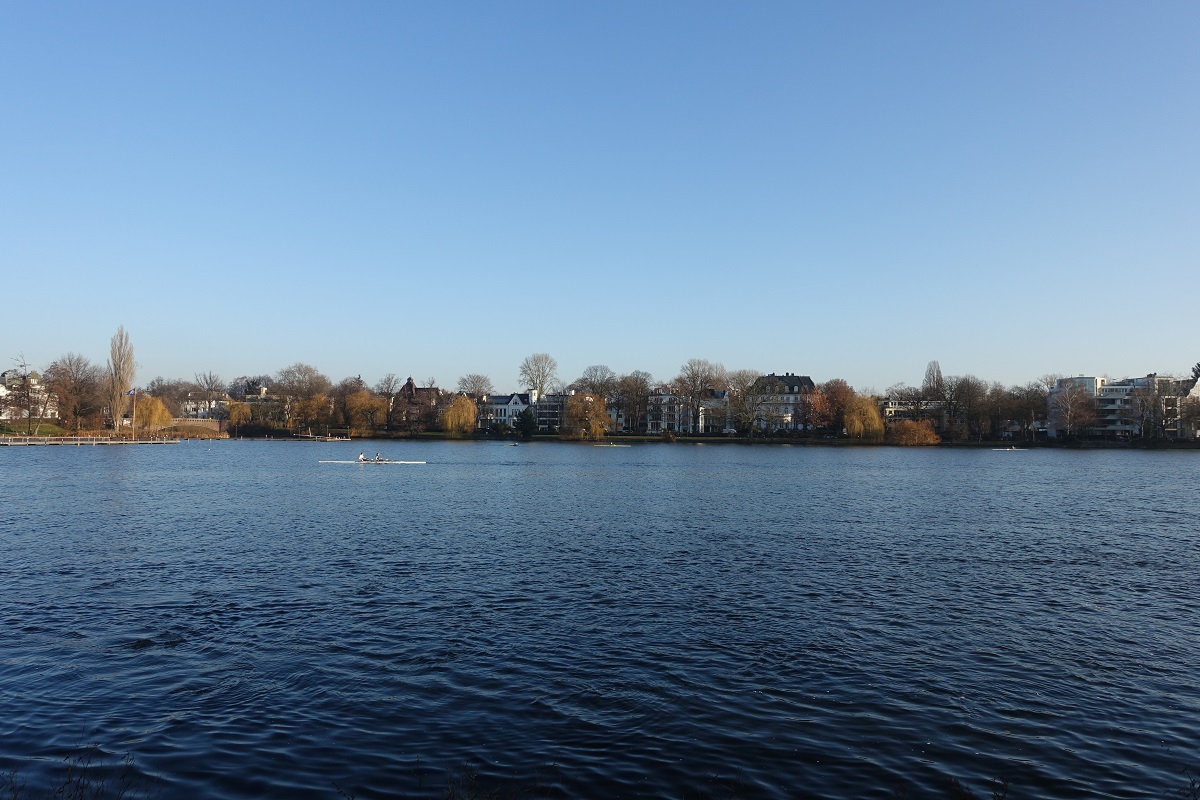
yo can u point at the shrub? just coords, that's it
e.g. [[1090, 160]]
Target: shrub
[[913, 434]]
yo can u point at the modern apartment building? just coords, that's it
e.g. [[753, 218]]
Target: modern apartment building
[[1143, 407]]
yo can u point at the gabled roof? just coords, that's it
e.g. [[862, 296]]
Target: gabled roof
[[514, 399]]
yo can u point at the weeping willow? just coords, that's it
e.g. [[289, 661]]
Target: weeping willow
[[863, 420]]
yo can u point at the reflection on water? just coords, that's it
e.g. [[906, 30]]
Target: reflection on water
[[645, 621]]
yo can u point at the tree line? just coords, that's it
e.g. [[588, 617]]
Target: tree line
[[82, 393], [967, 407], [743, 401]]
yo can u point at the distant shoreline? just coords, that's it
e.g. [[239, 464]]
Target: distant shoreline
[[176, 437]]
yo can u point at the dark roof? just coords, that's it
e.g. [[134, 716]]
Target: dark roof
[[801, 384], [507, 399]]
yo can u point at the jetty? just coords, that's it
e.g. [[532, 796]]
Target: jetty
[[79, 441]]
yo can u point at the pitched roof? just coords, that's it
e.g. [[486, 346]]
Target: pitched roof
[[515, 398], [801, 384]]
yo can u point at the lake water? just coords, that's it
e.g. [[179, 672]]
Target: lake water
[[556, 620]]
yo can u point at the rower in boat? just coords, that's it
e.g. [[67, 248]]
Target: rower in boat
[[362, 457]]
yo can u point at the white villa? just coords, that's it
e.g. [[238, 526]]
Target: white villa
[[19, 391]]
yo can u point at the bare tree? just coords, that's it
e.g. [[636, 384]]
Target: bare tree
[[1050, 380], [1073, 408], [750, 398], [121, 370], [1157, 406], [742, 406], [301, 380], [298, 387], [172, 393], [903, 392], [28, 395], [698, 378], [1030, 406], [433, 402], [77, 384], [633, 398], [538, 372], [476, 386], [387, 388], [966, 403], [211, 388], [934, 385], [1001, 406], [245, 386], [598, 380], [936, 389]]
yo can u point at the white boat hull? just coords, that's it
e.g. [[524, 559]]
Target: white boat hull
[[371, 461]]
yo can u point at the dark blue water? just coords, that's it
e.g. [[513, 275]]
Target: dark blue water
[[574, 621]]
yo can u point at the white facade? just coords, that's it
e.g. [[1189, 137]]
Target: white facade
[[502, 409], [195, 407], [12, 401]]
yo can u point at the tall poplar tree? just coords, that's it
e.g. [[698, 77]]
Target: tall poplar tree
[[934, 385], [121, 370]]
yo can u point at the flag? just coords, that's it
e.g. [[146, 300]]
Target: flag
[[130, 393]]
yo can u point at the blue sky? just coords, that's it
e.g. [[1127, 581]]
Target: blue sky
[[834, 189]]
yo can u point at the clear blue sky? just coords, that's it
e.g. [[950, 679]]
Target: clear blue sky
[[834, 189]]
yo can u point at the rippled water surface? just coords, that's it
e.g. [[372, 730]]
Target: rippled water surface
[[574, 621]]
